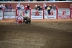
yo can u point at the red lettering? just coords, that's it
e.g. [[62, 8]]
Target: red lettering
[[51, 13], [37, 13], [63, 13]]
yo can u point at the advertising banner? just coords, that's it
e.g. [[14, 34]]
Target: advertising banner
[[64, 13], [51, 16], [35, 14], [9, 15]]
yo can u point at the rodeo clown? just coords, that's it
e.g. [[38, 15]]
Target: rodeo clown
[[19, 19]]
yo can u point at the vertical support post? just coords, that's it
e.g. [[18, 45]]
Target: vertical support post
[[30, 12], [43, 13], [16, 12], [71, 11], [56, 13], [3, 13]]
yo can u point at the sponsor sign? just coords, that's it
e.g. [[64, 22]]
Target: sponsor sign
[[36, 14], [64, 13], [1, 14], [9, 17], [51, 16]]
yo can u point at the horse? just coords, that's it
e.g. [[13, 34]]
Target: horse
[[26, 20]]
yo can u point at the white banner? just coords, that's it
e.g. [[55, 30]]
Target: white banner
[[1, 14], [9, 17], [63, 13], [36, 14], [51, 16]]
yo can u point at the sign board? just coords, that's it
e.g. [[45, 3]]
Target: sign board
[[35, 14], [51, 16], [63, 13], [1, 14], [8, 14]]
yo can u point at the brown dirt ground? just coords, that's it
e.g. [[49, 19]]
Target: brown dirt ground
[[39, 34]]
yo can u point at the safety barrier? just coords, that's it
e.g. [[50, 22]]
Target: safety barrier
[[9, 14], [63, 13], [35, 14], [1, 14], [60, 13]]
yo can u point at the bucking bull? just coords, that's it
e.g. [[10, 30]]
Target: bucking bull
[[23, 19]]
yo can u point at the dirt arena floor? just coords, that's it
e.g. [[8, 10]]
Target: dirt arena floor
[[39, 34]]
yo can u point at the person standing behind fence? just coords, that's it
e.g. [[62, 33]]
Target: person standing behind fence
[[50, 6], [0, 7], [10, 8], [6, 8], [26, 9], [54, 7], [18, 6], [44, 6], [36, 7], [28, 6], [22, 7], [48, 9]]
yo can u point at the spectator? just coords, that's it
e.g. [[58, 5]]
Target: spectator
[[0, 7], [54, 7], [18, 6], [36, 7], [28, 6], [22, 7], [10, 8], [44, 6], [26, 9], [6, 8], [48, 8], [40, 7], [71, 6]]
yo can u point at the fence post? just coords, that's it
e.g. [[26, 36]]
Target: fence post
[[43, 13], [3, 13], [71, 11], [56, 12], [30, 12], [16, 11]]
